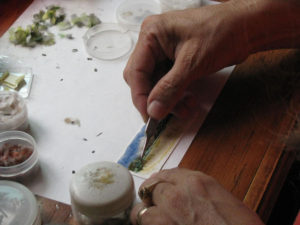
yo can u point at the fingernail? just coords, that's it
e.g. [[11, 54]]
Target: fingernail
[[156, 110]]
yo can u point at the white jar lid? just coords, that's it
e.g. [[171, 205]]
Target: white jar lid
[[18, 205], [131, 13], [102, 190]]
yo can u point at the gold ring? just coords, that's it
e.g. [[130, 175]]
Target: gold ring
[[145, 193], [140, 214]]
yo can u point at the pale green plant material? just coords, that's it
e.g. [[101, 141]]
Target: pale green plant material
[[85, 20], [38, 33]]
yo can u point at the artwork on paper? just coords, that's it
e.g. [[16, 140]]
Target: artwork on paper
[[156, 155]]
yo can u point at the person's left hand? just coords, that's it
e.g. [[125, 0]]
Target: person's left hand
[[185, 197]]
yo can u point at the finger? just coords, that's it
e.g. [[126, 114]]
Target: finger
[[146, 189], [139, 70], [138, 78], [185, 107], [148, 186], [171, 87], [134, 212], [153, 215], [163, 194], [168, 176]]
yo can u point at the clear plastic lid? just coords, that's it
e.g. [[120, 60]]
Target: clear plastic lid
[[131, 13], [13, 111], [102, 190], [107, 41], [18, 205], [168, 5]]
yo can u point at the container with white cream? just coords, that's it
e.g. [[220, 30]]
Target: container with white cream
[[13, 111], [102, 193]]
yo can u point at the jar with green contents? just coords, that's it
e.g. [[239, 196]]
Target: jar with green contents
[[102, 193]]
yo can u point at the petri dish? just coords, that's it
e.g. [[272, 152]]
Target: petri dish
[[110, 41], [18, 205], [168, 5], [107, 41], [131, 13]]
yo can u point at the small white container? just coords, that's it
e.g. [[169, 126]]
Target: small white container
[[25, 169], [102, 193], [169, 5], [13, 111], [18, 205]]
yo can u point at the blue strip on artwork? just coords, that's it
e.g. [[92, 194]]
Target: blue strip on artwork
[[131, 152]]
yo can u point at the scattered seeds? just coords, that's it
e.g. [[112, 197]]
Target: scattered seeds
[[99, 134], [68, 36], [61, 79], [84, 139], [93, 151], [89, 59], [74, 50], [95, 69], [73, 171], [44, 54]]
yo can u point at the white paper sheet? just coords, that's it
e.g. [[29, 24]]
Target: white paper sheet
[[66, 85]]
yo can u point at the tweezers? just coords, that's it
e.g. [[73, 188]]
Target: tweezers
[[150, 132]]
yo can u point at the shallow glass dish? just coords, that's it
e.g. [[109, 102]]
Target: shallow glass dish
[[107, 41]]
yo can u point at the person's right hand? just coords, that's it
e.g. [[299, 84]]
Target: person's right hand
[[196, 42], [201, 41]]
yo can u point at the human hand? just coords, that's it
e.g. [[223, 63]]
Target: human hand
[[196, 42], [182, 196], [199, 42]]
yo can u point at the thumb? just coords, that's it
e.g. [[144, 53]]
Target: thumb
[[169, 89]]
